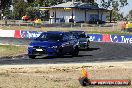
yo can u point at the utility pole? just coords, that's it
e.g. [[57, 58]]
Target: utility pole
[[0, 10], [12, 3], [73, 1]]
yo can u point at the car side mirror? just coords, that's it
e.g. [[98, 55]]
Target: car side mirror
[[87, 37], [36, 39]]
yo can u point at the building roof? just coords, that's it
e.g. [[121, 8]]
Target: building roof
[[66, 5], [76, 5]]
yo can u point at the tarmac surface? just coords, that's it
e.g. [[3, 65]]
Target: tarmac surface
[[98, 52]]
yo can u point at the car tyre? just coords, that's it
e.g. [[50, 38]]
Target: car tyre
[[60, 52], [75, 52], [87, 47], [32, 56]]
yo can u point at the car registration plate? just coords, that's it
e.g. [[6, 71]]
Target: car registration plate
[[39, 50]]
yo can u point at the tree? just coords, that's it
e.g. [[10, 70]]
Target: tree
[[117, 16], [20, 8], [30, 11], [129, 16], [45, 3], [23, 7], [113, 4], [4, 5]]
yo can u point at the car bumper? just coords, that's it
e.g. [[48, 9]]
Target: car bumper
[[83, 46], [46, 52]]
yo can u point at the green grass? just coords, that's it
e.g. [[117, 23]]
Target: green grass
[[4, 74], [11, 50]]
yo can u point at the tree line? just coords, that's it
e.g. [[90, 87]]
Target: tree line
[[15, 9]]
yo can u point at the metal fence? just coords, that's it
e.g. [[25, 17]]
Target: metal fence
[[107, 26]]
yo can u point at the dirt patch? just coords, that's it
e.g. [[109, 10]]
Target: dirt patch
[[62, 75]]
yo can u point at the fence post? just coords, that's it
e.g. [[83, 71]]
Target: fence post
[[81, 25], [71, 25], [19, 23], [113, 26], [27, 24], [9, 26]]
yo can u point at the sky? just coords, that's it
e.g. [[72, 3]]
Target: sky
[[125, 10]]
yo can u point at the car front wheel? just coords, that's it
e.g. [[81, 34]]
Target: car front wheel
[[75, 52], [60, 52], [87, 47], [32, 56]]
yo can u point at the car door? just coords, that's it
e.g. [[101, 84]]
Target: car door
[[66, 44], [73, 41]]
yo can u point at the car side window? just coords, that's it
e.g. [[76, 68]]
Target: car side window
[[43, 36], [72, 37], [65, 38]]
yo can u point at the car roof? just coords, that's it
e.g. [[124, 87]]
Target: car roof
[[55, 32], [77, 32]]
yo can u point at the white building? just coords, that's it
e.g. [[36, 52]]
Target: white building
[[77, 12]]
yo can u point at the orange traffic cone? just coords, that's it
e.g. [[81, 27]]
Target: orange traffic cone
[[84, 73], [84, 80]]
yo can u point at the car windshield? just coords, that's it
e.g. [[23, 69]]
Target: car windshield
[[50, 37], [82, 40], [79, 34]]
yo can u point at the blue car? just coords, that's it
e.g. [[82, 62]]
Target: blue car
[[53, 44]]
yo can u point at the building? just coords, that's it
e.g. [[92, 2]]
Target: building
[[76, 12]]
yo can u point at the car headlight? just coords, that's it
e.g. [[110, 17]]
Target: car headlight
[[30, 46], [84, 42], [62, 45]]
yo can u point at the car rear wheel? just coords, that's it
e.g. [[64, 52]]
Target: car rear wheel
[[87, 47], [32, 56], [60, 52], [75, 52]]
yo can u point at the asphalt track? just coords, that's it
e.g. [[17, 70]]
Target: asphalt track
[[98, 52]]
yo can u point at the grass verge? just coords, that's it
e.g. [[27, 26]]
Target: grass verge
[[104, 30], [12, 50]]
